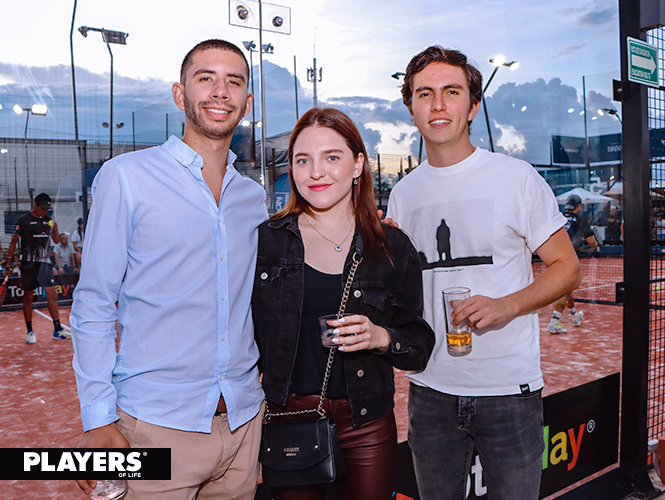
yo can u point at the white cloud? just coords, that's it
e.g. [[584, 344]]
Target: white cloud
[[395, 139], [511, 140]]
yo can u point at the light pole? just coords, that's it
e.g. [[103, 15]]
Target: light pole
[[266, 48], [109, 37], [497, 61], [38, 110], [250, 14]]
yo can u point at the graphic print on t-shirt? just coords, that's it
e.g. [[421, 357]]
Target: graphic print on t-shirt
[[455, 235]]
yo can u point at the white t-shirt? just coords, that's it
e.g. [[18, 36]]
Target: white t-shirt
[[489, 212], [78, 238]]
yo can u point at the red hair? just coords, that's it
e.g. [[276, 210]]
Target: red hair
[[362, 194]]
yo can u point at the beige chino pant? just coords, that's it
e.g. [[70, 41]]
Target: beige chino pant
[[219, 465]]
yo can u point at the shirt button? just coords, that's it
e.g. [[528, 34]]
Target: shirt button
[[357, 294], [398, 346], [264, 276], [223, 297], [221, 256], [363, 412], [223, 338], [360, 373]]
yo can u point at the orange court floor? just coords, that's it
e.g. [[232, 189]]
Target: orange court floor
[[39, 405]]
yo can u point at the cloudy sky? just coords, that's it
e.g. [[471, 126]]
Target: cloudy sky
[[358, 43]]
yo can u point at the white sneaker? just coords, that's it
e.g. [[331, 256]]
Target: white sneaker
[[577, 318], [557, 328], [30, 338]]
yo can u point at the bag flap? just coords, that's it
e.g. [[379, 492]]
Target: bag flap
[[295, 444]]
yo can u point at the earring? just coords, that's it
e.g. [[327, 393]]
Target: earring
[[355, 181]]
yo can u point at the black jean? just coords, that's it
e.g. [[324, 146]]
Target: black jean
[[369, 450]]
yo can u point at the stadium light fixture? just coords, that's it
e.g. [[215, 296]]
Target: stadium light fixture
[[612, 112], [251, 14], [35, 109], [497, 61], [109, 37]]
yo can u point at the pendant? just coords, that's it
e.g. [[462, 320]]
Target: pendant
[[338, 248]]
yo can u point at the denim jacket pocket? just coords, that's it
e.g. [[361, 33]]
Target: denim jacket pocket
[[376, 296]]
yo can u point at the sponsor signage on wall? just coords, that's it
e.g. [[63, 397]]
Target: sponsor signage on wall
[[64, 288], [581, 435]]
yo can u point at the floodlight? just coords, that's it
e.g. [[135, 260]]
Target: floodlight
[[118, 37], [498, 60], [109, 37], [249, 45], [17, 109], [396, 75], [245, 13], [242, 12], [39, 109]]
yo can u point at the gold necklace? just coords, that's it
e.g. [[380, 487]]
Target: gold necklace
[[336, 246]]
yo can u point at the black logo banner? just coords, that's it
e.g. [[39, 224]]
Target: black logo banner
[[85, 463]]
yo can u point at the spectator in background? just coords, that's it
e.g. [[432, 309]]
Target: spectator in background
[[64, 254], [613, 231], [3, 259], [15, 268], [77, 241]]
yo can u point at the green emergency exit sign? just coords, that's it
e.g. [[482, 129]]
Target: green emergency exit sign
[[642, 62]]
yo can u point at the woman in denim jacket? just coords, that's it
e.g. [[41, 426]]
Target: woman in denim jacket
[[305, 253]]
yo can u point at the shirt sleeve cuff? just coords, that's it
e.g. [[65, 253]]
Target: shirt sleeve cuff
[[98, 415]]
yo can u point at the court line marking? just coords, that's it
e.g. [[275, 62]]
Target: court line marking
[[49, 317]]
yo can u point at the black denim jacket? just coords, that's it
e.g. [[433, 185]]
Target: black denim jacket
[[389, 296]]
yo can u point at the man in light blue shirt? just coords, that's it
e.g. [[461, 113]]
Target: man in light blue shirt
[[170, 256]]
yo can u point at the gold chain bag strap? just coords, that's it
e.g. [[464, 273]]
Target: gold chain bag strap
[[305, 450]]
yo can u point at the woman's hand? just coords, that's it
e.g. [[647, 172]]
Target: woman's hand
[[357, 332]]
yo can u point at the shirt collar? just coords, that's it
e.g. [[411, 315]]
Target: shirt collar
[[187, 157]]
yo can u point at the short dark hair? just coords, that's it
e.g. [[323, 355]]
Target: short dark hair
[[213, 43], [439, 54]]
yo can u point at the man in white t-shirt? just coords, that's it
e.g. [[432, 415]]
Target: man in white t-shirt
[[476, 218]]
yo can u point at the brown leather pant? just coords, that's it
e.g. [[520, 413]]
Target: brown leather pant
[[370, 454]]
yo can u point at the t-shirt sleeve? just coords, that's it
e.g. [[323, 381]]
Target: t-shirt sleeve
[[543, 215]]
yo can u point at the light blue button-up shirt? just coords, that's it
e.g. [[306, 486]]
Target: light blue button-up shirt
[[181, 269]]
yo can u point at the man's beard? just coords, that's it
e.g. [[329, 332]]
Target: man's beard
[[220, 131]]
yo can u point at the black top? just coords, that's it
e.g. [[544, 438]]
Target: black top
[[34, 233], [388, 291], [322, 296], [578, 229]]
